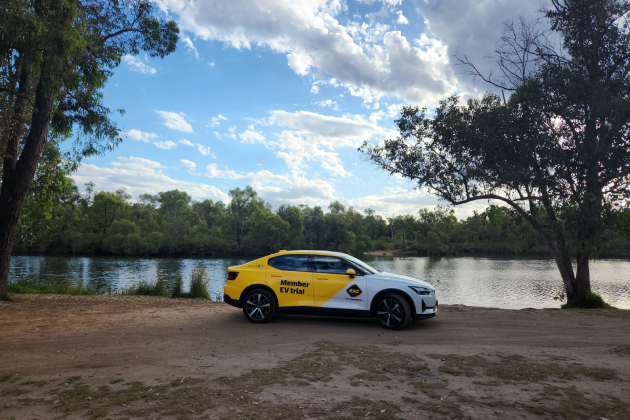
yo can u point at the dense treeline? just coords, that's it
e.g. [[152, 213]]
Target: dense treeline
[[57, 219]]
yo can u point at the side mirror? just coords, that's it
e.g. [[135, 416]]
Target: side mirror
[[351, 273]]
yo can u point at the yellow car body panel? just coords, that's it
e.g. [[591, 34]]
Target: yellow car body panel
[[292, 288]]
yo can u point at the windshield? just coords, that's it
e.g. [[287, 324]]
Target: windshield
[[363, 266]]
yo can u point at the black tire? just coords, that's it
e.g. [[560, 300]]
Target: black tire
[[259, 306], [392, 311]]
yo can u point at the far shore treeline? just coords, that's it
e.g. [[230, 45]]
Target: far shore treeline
[[57, 219]]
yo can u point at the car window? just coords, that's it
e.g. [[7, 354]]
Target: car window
[[290, 262], [331, 265]]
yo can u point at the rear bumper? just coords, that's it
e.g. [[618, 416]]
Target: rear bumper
[[234, 302]]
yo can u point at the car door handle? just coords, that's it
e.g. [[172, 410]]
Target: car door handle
[[322, 278], [276, 275]]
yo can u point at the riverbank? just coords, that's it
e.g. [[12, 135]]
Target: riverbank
[[151, 357]]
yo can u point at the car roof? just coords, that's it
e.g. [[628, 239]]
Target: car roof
[[311, 251]]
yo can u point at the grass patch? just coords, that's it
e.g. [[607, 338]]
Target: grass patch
[[51, 287], [198, 285], [37, 383], [515, 368], [622, 349], [589, 300], [146, 288]]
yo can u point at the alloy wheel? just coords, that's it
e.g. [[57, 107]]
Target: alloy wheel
[[389, 313], [258, 307]]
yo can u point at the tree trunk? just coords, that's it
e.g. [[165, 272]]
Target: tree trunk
[[563, 262], [17, 178], [583, 276]]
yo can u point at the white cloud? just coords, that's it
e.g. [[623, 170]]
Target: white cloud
[[252, 136], [280, 189], [314, 89], [175, 121], [189, 45], [367, 57], [166, 145], [326, 103], [142, 176], [211, 64], [136, 64], [315, 137], [189, 164], [140, 135], [205, 150], [217, 120], [186, 142], [232, 134], [380, 14], [402, 20]]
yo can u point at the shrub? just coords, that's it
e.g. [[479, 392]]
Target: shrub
[[52, 287], [589, 300], [199, 284], [146, 288], [177, 289]]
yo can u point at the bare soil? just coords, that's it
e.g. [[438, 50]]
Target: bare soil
[[127, 357]]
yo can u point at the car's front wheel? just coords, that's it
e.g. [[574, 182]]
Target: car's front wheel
[[393, 311], [259, 306]]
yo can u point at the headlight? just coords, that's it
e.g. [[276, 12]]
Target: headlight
[[421, 290]]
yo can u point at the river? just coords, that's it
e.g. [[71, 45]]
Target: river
[[510, 283]]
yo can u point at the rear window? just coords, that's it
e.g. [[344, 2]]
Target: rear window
[[290, 262]]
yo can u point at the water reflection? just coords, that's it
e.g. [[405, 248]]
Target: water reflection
[[493, 282]]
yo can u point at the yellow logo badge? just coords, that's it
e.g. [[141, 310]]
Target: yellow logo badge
[[354, 290]]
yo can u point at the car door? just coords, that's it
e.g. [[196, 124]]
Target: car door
[[291, 278], [334, 288]]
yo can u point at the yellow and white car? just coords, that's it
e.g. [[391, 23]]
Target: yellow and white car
[[326, 283]]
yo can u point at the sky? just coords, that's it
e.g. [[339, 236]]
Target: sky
[[279, 94]]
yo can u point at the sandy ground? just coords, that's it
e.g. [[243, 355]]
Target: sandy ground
[[140, 357]]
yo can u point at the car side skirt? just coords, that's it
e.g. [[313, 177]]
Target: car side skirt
[[303, 310]]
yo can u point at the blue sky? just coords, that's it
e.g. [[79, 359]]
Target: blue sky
[[278, 94]]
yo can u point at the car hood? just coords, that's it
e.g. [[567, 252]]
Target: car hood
[[399, 277]]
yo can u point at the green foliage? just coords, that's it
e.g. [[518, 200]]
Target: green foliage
[[199, 284], [147, 288], [108, 223], [177, 289], [586, 301], [51, 287]]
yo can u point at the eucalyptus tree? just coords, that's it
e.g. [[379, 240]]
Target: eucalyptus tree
[[557, 150], [55, 58]]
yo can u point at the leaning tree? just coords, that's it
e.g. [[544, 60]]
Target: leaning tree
[[55, 58], [557, 150]]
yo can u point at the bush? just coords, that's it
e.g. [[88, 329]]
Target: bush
[[146, 288], [52, 287], [177, 289], [588, 301], [199, 284]]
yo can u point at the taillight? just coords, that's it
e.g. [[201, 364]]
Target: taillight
[[232, 275]]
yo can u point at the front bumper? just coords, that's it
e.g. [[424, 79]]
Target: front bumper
[[425, 310]]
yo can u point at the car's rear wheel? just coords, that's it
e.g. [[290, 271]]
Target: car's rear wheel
[[392, 311], [259, 306]]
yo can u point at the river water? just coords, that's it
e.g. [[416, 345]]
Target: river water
[[510, 283]]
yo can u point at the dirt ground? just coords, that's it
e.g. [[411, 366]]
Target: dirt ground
[[125, 357]]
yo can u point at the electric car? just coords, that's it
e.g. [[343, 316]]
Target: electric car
[[326, 283]]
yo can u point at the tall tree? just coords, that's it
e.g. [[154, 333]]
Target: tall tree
[[55, 57], [557, 152], [242, 205]]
